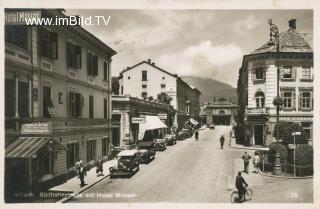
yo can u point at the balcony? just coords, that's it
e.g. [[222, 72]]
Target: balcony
[[13, 125], [257, 111]]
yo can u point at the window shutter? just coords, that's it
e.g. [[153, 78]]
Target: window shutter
[[311, 102], [95, 66], [68, 54], [294, 73], [281, 72], [77, 104], [78, 56], [293, 99], [300, 99], [89, 63], [54, 45], [70, 104]]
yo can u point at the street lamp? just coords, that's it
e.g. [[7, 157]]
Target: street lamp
[[274, 40]]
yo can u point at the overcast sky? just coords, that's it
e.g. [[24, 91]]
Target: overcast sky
[[204, 43]]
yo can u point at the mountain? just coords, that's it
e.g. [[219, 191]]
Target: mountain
[[211, 88]]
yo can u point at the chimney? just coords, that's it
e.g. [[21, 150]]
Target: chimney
[[149, 60], [152, 63], [292, 23]]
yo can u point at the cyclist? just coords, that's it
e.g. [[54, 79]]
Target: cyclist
[[239, 185]]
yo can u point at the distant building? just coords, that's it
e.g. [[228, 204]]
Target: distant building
[[57, 101], [257, 85], [145, 79], [219, 112]]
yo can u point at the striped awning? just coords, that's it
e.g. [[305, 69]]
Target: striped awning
[[26, 147]]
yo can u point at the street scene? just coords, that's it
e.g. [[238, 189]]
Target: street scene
[[137, 106]]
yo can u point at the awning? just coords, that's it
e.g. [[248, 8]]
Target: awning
[[25, 147], [151, 122], [193, 121]]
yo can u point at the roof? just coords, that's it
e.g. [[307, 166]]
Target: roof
[[126, 153], [152, 65], [26, 147], [290, 41]]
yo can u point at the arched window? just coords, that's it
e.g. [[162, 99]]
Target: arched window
[[222, 112], [259, 96]]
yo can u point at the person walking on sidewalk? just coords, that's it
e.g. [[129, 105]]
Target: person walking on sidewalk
[[239, 185], [256, 162], [196, 134], [77, 164], [81, 173], [99, 165], [246, 159], [222, 141]]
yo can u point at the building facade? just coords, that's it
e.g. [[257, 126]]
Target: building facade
[[128, 114], [219, 112], [145, 79], [59, 77], [257, 85]]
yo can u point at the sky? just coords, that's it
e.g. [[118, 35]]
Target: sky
[[203, 43]]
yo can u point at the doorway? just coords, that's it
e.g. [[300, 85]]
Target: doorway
[[258, 134]]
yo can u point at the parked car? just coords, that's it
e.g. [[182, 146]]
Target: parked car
[[128, 162], [187, 132], [170, 139], [212, 126], [146, 149], [160, 144]]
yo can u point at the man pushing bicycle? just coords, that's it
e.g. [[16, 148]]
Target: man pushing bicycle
[[239, 185]]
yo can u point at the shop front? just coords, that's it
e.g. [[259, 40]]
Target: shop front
[[152, 128]]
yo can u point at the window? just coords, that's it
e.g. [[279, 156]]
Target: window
[[92, 62], [47, 103], [144, 86], [144, 95], [121, 90], [23, 99], [288, 97], [259, 73], [306, 72], [10, 99], [73, 55], [305, 100], [72, 154], [106, 71], [144, 75], [17, 35], [75, 104], [163, 86], [105, 108], [104, 146], [91, 150], [49, 44], [91, 106], [259, 96], [307, 126], [287, 72]]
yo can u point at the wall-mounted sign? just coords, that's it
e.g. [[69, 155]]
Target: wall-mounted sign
[[19, 17], [138, 120], [36, 128], [162, 116], [171, 91]]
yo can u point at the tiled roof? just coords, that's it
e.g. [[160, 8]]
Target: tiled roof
[[290, 41]]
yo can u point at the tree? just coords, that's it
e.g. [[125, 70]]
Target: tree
[[285, 132], [115, 85]]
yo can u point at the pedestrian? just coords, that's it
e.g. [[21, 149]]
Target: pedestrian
[[99, 165], [77, 164], [222, 141], [239, 185], [256, 161], [81, 173], [196, 134], [246, 159]]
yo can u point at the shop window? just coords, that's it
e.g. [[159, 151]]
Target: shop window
[[10, 99], [305, 100], [73, 55], [49, 44], [144, 75], [91, 150], [92, 64], [72, 154], [91, 106], [75, 104], [17, 35], [46, 162], [259, 96]]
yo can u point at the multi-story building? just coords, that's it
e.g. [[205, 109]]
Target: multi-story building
[[219, 112], [57, 78], [257, 85], [145, 79]]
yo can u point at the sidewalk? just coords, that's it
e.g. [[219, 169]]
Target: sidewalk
[[239, 146], [72, 186]]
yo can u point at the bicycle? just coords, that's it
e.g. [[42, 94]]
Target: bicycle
[[245, 197]]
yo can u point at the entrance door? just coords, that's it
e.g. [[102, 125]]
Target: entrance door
[[258, 134], [116, 137]]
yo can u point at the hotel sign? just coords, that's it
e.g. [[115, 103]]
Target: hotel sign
[[138, 120], [36, 128], [19, 17]]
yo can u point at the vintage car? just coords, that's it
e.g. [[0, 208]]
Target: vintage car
[[185, 133], [160, 144], [212, 126], [146, 150], [170, 139], [128, 162]]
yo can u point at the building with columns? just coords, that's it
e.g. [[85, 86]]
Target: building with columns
[[57, 101], [257, 85]]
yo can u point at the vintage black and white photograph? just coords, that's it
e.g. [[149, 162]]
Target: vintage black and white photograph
[[158, 105]]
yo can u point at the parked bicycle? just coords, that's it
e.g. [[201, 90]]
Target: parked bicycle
[[245, 197]]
